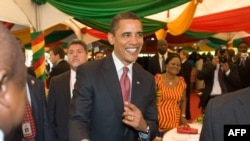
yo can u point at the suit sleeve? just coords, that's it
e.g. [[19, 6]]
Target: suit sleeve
[[206, 132], [51, 109], [80, 108], [151, 113], [233, 77], [206, 72]]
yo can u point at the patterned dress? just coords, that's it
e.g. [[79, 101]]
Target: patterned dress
[[168, 104]]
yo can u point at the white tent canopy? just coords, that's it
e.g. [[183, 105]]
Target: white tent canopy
[[205, 8], [26, 13]]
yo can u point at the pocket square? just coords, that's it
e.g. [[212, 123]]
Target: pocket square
[[187, 130]]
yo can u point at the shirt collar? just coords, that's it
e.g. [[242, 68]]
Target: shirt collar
[[183, 61], [118, 64], [165, 55], [1, 135], [72, 74]]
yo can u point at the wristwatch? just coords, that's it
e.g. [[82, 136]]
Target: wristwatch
[[147, 130]]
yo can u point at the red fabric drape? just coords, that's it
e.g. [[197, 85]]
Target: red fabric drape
[[228, 21], [8, 25], [95, 33]]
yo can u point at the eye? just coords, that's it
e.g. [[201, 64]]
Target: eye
[[79, 51], [139, 35], [126, 34]]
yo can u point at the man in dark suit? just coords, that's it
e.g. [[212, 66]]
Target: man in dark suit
[[243, 62], [229, 109], [155, 63], [37, 99], [217, 83], [60, 91], [59, 64], [186, 69], [12, 83], [98, 109], [36, 96]]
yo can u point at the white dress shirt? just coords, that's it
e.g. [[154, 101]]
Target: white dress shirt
[[1, 135], [72, 81]]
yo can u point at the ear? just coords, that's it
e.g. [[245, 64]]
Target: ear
[[3, 88], [111, 38]]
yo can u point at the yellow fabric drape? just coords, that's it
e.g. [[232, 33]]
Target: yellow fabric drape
[[180, 24], [24, 34], [161, 34]]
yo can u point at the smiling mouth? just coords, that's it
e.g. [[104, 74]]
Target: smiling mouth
[[131, 50]]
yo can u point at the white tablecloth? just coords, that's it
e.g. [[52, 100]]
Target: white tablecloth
[[172, 135]]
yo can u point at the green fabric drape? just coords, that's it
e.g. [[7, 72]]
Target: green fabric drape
[[215, 42], [98, 13], [39, 2], [54, 37], [149, 26], [201, 35]]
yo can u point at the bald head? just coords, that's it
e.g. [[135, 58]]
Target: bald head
[[12, 81], [162, 46], [12, 59]]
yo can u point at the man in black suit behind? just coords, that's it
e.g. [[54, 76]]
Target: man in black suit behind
[[59, 64], [155, 63], [186, 69], [98, 112], [242, 60], [60, 91], [230, 80]]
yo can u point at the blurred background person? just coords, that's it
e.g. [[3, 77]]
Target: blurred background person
[[156, 64], [199, 84], [30, 69], [185, 72], [59, 64], [219, 75], [231, 55], [242, 60], [12, 83], [172, 98], [60, 92], [99, 55]]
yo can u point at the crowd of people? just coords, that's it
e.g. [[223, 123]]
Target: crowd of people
[[114, 98]]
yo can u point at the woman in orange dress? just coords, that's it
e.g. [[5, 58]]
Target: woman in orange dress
[[172, 98]]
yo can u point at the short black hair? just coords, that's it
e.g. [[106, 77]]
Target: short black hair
[[170, 57], [122, 16], [58, 50]]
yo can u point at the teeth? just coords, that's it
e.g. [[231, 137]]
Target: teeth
[[131, 49]]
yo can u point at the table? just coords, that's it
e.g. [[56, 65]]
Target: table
[[172, 135]]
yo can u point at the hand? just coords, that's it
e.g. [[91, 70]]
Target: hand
[[133, 117], [225, 66], [183, 122]]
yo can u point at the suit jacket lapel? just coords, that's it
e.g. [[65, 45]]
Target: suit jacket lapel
[[136, 84], [32, 86], [66, 86], [113, 84]]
